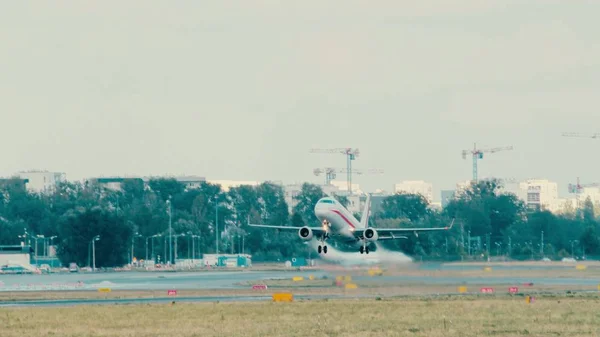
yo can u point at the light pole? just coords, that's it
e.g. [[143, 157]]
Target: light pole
[[190, 237], [170, 233], [96, 238], [217, 224], [176, 239], [194, 248], [152, 238], [193, 238], [572, 248], [136, 235], [36, 238], [50, 244], [199, 244], [469, 242], [542, 246]]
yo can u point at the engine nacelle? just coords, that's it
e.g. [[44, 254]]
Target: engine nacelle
[[371, 234], [305, 233]]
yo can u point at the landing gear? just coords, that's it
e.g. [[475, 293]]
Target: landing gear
[[324, 247], [364, 249]]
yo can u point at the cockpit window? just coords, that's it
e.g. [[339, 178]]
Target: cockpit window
[[327, 201]]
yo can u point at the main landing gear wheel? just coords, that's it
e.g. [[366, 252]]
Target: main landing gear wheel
[[364, 249], [322, 249]]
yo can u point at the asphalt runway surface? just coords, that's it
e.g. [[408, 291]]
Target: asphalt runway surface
[[219, 280]]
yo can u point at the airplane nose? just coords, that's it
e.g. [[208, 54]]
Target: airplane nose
[[319, 211]]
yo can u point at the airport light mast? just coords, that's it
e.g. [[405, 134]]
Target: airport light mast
[[478, 154], [351, 154]]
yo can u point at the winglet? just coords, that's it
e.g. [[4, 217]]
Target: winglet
[[451, 224]]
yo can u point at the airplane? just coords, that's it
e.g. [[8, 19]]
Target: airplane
[[338, 223]]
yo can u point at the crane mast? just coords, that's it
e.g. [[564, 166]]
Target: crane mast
[[351, 155], [478, 154]]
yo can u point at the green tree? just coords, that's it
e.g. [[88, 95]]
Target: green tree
[[588, 212], [404, 205], [78, 227], [306, 200], [589, 241]]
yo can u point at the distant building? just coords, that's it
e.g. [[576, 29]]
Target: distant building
[[565, 204], [42, 181], [343, 186], [13, 183], [540, 194], [227, 184], [291, 191], [116, 183], [377, 202], [191, 182], [15, 255], [462, 186], [416, 187], [112, 183], [436, 205], [446, 196], [589, 192]]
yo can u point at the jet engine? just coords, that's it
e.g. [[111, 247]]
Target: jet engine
[[371, 234], [305, 233]]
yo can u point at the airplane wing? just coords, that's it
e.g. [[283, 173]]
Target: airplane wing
[[316, 230], [393, 233]]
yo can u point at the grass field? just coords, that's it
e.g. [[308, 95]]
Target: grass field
[[450, 316]]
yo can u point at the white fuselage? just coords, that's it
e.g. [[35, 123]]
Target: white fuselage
[[339, 221]]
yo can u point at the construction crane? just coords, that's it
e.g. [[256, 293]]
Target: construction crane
[[581, 135], [478, 154], [578, 188], [330, 172], [351, 155]]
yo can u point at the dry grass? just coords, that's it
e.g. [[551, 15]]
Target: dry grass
[[455, 316]]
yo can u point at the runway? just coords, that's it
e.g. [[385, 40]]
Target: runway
[[228, 280], [142, 280], [425, 274]]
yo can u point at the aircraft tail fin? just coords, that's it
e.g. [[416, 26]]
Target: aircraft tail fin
[[364, 217]]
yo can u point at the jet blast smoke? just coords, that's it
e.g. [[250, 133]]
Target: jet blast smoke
[[380, 256]]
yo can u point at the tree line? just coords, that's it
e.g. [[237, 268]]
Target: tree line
[[133, 222]]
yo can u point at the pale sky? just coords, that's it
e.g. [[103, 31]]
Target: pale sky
[[242, 90]]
